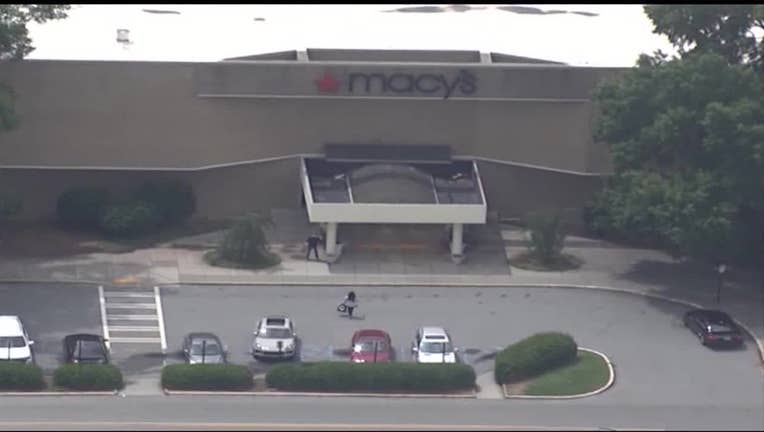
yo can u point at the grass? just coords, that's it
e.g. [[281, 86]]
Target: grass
[[588, 373], [211, 258], [527, 261]]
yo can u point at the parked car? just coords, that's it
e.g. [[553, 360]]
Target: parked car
[[371, 346], [85, 348], [713, 327], [203, 347], [433, 345], [274, 337], [15, 344]]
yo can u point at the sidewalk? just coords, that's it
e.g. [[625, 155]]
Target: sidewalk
[[605, 265]]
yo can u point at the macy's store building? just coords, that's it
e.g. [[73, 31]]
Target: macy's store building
[[294, 128]]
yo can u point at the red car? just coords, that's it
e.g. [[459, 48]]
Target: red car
[[371, 346]]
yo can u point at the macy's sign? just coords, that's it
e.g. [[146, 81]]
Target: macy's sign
[[464, 83]]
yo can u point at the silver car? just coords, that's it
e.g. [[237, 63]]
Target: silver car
[[274, 337], [201, 347]]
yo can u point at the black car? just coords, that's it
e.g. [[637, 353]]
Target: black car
[[85, 348], [713, 327], [203, 347]]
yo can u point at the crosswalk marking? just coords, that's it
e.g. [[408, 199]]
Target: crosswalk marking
[[128, 294], [122, 319], [131, 306], [132, 317], [134, 329], [136, 340]]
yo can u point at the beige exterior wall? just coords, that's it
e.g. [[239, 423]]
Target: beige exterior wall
[[148, 115]]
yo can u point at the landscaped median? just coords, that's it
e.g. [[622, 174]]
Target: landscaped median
[[551, 365], [325, 378], [372, 377], [17, 378]]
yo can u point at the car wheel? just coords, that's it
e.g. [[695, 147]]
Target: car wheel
[[702, 339]]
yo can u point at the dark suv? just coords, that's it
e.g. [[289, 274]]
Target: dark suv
[[713, 327], [85, 348]]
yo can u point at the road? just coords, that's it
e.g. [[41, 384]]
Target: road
[[245, 412], [664, 377]]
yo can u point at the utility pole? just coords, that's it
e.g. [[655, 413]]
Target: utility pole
[[375, 351], [204, 350]]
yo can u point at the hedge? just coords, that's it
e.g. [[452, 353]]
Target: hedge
[[81, 207], [206, 377], [342, 376], [20, 376], [88, 377], [129, 219], [534, 355], [174, 200]]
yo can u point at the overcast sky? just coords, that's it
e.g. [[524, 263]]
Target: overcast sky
[[598, 35]]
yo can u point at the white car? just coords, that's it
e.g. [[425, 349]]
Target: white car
[[433, 345], [275, 337], [15, 344]]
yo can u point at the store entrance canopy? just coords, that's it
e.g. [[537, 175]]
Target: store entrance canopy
[[392, 184]]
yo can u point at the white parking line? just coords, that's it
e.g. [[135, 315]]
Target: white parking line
[[160, 319], [104, 323]]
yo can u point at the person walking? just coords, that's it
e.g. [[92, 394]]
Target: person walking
[[313, 241], [350, 303]]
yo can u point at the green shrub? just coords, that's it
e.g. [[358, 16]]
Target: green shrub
[[547, 237], [206, 377], [245, 243], [534, 355], [19, 376], [88, 377], [129, 220], [174, 200], [81, 207], [346, 376]]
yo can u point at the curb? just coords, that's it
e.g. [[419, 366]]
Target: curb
[[759, 342], [52, 393], [472, 395], [607, 385]]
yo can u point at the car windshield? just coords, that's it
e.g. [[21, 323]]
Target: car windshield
[[88, 349], [720, 328], [436, 347], [368, 346], [12, 341], [210, 349], [275, 333]]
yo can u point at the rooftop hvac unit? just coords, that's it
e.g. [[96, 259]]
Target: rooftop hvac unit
[[123, 35]]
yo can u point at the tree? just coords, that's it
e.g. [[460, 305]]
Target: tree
[[15, 44], [726, 29], [687, 140]]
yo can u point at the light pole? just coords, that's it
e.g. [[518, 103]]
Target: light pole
[[720, 269]]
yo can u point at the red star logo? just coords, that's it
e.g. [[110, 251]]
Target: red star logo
[[328, 83]]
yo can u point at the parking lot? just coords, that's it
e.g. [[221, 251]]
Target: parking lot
[[656, 359]]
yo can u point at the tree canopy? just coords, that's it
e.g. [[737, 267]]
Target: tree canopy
[[15, 44], [687, 138]]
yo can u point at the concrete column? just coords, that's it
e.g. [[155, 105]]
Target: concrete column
[[331, 238], [456, 239]]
